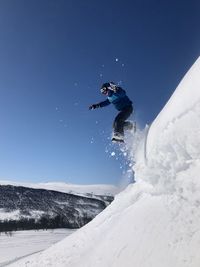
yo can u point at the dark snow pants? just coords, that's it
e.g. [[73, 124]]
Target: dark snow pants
[[120, 122]]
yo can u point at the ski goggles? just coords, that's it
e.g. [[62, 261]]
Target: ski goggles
[[104, 90]]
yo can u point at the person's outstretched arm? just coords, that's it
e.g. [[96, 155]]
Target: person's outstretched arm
[[100, 105]]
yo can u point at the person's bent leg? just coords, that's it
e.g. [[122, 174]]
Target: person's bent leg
[[120, 120], [118, 125]]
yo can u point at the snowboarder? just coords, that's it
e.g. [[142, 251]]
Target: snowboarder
[[117, 96]]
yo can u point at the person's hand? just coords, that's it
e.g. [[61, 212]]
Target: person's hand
[[94, 106]]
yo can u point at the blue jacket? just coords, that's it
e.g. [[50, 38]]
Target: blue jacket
[[119, 99]]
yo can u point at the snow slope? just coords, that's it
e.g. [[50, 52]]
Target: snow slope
[[156, 221]]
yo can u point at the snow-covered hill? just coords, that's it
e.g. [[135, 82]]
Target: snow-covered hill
[[28, 208], [156, 221]]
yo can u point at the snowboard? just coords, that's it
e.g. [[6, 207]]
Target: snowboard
[[116, 140]]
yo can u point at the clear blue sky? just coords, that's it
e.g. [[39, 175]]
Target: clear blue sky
[[54, 56]]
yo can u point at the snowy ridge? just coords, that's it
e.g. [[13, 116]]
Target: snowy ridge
[[156, 221], [101, 189]]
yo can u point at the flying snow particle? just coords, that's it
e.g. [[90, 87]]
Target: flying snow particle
[[113, 154], [117, 59]]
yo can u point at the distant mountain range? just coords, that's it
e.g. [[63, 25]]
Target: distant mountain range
[[30, 208], [96, 189]]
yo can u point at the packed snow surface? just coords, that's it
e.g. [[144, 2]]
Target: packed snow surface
[[156, 221], [16, 245]]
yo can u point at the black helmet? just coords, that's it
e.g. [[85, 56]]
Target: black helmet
[[108, 86]]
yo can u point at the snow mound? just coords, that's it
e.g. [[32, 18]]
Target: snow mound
[[172, 144], [156, 221]]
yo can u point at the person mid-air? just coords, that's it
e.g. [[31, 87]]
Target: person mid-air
[[117, 96]]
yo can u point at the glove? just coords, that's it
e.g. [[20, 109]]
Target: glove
[[94, 106]]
